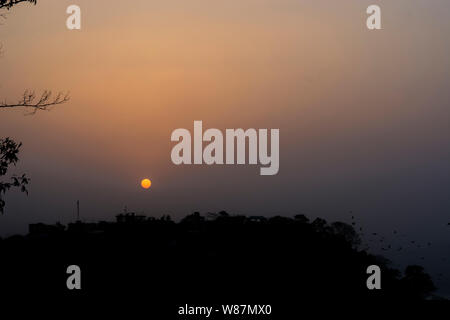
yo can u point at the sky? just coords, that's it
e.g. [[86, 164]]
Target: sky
[[363, 115]]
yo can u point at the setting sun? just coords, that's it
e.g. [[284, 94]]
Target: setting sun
[[146, 183]]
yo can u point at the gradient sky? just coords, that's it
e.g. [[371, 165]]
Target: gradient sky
[[363, 115]]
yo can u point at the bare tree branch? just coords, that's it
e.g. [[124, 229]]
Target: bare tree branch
[[8, 4], [44, 102], [29, 100], [9, 148]]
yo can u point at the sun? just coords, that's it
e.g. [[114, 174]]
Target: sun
[[146, 183]]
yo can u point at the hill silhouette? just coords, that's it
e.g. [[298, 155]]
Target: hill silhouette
[[212, 259]]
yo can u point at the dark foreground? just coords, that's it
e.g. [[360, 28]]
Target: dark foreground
[[282, 262]]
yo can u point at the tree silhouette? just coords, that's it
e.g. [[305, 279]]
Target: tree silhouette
[[282, 260], [9, 149], [8, 156], [417, 283]]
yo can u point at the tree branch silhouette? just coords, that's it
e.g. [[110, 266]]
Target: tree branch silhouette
[[8, 4], [29, 98], [44, 102], [9, 149]]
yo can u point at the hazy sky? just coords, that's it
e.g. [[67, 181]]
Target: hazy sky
[[363, 115]]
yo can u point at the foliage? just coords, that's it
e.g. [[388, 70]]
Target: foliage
[[9, 150]]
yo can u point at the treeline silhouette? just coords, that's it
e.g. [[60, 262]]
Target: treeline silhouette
[[216, 258]]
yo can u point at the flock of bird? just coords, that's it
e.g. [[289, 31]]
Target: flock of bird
[[375, 241]]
